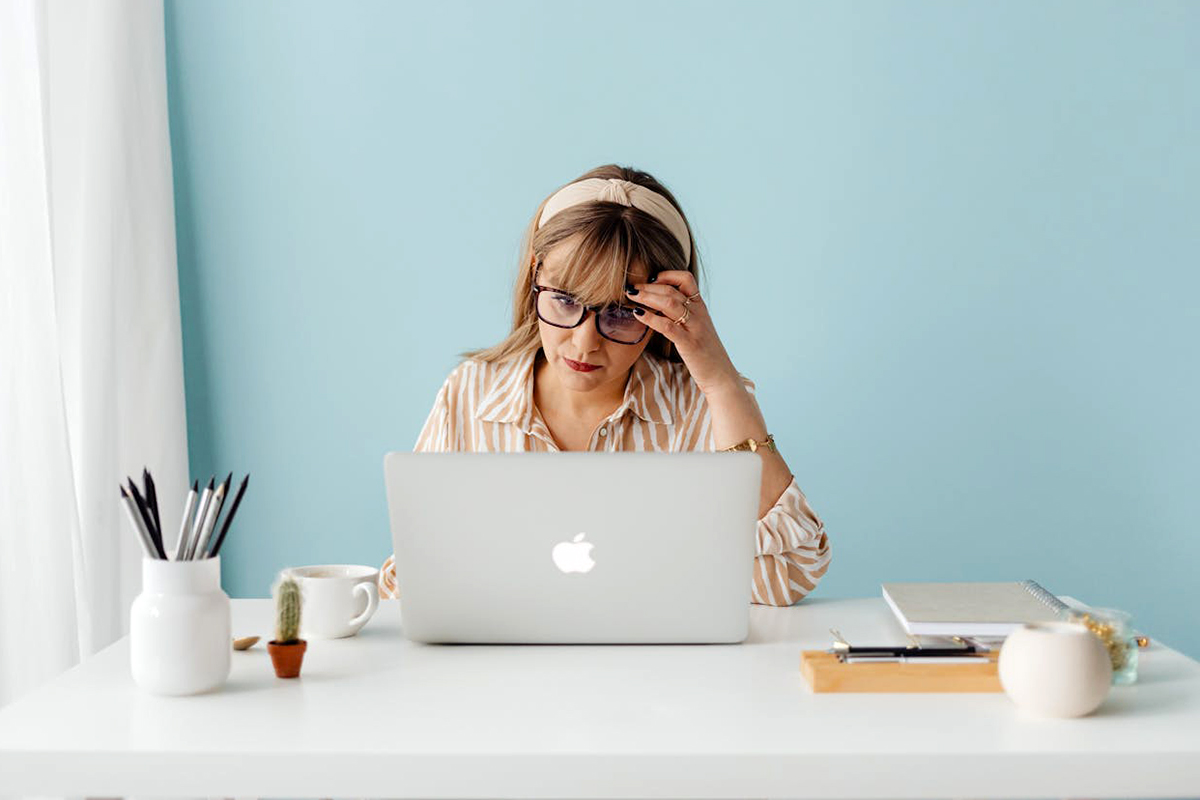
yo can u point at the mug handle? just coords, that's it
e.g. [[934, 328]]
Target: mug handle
[[372, 602]]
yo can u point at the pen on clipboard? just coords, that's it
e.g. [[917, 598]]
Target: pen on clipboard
[[929, 655], [843, 648], [916, 659]]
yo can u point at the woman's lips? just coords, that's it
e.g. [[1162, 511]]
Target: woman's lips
[[579, 366]]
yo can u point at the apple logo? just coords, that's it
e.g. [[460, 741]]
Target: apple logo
[[574, 556]]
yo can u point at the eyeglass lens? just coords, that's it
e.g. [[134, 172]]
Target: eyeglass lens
[[616, 322]]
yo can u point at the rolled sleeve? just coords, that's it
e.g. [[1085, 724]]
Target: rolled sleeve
[[387, 579], [792, 550]]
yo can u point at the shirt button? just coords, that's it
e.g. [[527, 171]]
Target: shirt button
[[604, 431]]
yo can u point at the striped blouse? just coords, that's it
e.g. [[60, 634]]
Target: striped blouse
[[488, 407]]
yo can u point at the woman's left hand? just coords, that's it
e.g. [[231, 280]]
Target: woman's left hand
[[695, 337]]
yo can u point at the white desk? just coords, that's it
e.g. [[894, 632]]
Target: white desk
[[377, 716]]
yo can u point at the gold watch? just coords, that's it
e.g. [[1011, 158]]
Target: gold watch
[[752, 445]]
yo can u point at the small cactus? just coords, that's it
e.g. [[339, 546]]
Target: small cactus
[[287, 611]]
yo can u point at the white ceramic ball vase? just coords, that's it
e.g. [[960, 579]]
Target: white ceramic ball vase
[[1055, 669]]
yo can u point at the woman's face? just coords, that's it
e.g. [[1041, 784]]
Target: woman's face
[[583, 344]]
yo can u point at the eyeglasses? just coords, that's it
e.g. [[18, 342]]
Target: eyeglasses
[[563, 310]]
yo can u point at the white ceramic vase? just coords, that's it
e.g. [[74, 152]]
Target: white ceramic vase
[[1055, 669], [179, 627]]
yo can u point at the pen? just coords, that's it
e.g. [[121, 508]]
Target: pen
[[188, 507], [904, 650], [977, 659], [138, 527], [843, 648]]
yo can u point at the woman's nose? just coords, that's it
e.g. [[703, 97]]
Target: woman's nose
[[585, 337]]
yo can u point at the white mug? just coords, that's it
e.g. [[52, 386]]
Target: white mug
[[338, 599]]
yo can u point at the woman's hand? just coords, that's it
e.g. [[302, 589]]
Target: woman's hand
[[734, 412], [695, 338]]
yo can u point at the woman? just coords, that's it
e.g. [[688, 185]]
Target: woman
[[612, 348]]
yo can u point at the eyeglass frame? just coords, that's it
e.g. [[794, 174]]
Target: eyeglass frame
[[536, 289]]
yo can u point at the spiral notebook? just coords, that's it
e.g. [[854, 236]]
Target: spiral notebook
[[971, 608]]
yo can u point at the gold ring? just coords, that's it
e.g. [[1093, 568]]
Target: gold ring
[[683, 319], [693, 297]]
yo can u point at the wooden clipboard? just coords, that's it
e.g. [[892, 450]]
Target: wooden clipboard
[[825, 673]]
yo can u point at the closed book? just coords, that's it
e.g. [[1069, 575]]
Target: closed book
[[971, 608]]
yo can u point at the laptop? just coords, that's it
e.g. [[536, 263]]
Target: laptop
[[574, 547]]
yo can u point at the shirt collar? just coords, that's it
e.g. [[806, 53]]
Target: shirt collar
[[510, 398]]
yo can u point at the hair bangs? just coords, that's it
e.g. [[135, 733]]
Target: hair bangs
[[598, 267]]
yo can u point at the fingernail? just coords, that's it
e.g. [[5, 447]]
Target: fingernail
[[629, 288], [639, 311]]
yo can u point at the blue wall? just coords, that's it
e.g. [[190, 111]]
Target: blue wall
[[954, 244]]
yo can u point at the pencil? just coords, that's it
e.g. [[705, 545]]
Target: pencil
[[138, 527], [149, 521], [152, 500], [198, 522], [210, 538], [189, 506], [237, 498], [210, 521]]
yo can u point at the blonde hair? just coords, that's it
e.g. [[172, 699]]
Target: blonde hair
[[611, 239]]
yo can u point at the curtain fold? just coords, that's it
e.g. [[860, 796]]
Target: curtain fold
[[91, 365]]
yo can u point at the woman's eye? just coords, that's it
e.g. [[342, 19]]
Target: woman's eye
[[565, 300], [619, 313]]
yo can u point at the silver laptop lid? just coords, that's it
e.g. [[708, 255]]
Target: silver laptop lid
[[574, 547]]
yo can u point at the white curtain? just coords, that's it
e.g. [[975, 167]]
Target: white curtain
[[91, 373]]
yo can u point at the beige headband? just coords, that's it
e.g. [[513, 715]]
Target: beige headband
[[627, 193]]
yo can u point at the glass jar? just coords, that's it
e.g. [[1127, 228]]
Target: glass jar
[[1114, 628], [179, 627]]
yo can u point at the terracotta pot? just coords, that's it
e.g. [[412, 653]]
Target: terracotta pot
[[287, 657]]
